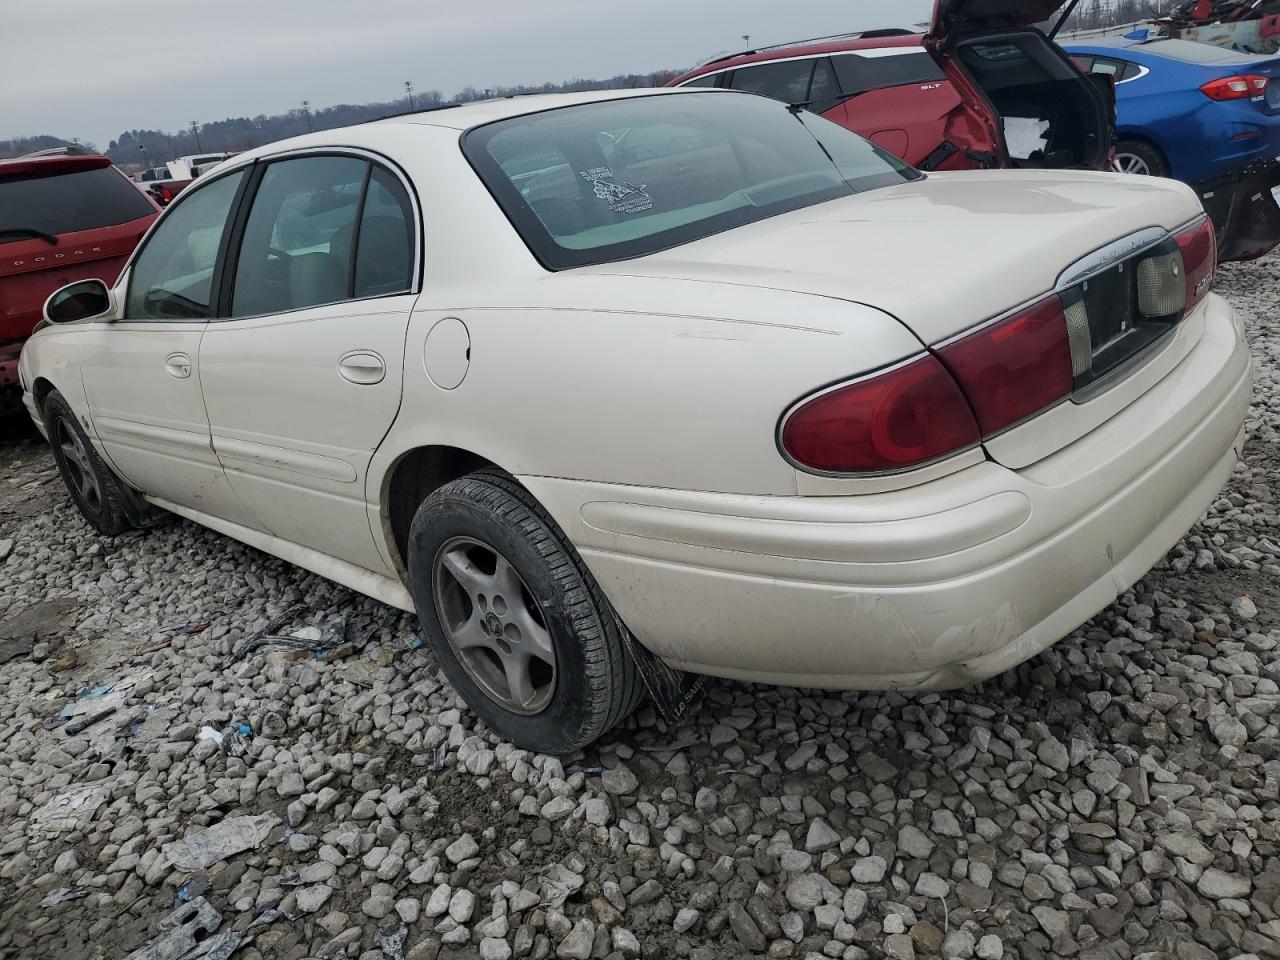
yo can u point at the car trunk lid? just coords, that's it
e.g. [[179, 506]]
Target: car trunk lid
[[948, 254]]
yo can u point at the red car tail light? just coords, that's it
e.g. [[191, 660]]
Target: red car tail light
[[1199, 246], [900, 418], [1235, 88], [1015, 367]]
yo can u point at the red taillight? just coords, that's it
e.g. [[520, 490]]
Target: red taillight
[[1015, 367], [901, 418], [1199, 246], [1235, 88]]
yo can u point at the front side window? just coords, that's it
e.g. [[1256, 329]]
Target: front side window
[[172, 278], [299, 238], [624, 178], [61, 203]]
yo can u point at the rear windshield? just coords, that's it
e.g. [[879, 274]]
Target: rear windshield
[[1191, 52], [69, 202], [624, 178]]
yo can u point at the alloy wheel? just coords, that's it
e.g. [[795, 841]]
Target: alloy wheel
[[494, 624], [79, 468], [1131, 163]]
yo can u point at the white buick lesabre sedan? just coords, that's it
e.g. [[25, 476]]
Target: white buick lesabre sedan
[[694, 366]]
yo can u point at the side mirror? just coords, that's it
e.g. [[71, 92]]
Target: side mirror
[[81, 300]]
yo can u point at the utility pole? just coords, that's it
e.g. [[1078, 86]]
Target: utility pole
[[408, 89], [746, 41], [306, 112], [195, 129]]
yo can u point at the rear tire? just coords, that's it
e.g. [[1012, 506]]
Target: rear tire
[[514, 618], [97, 492], [1141, 159]]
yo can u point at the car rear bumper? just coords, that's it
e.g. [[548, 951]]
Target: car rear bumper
[[937, 586]]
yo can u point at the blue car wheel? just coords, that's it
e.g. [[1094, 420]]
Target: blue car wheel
[[1140, 158]]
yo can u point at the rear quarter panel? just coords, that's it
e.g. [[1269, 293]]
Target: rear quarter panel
[[909, 121], [616, 379]]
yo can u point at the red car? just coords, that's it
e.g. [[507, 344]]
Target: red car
[[984, 88], [62, 218]]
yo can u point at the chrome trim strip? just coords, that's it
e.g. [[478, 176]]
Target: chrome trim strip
[[1142, 72], [871, 53], [1104, 258]]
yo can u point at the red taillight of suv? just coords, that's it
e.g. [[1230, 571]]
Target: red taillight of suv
[[897, 419], [1199, 246], [1235, 88]]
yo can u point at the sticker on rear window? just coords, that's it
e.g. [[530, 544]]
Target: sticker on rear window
[[625, 197]]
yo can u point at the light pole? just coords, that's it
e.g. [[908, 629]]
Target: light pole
[[408, 89], [746, 41], [306, 112], [195, 129]]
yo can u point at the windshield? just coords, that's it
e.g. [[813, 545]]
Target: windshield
[[623, 178], [69, 202]]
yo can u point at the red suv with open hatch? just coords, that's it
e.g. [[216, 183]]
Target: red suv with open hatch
[[984, 88]]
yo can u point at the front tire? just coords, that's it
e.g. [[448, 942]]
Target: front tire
[[96, 491], [514, 619], [1140, 158]]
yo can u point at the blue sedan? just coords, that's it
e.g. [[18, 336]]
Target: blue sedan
[[1188, 110]]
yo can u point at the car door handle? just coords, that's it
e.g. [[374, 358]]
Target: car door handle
[[178, 365], [363, 367]]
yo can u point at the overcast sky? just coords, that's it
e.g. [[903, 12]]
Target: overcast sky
[[92, 69]]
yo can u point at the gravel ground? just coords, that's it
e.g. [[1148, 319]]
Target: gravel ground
[[1118, 796]]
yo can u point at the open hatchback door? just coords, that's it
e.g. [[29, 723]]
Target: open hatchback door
[[1026, 105], [1034, 106]]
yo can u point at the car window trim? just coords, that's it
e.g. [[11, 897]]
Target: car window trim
[[219, 259], [371, 158], [871, 53], [231, 240], [356, 231], [1142, 71]]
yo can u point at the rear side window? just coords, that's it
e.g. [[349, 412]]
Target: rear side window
[[785, 80], [709, 80], [858, 73], [69, 202], [300, 235], [384, 249], [1121, 70]]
